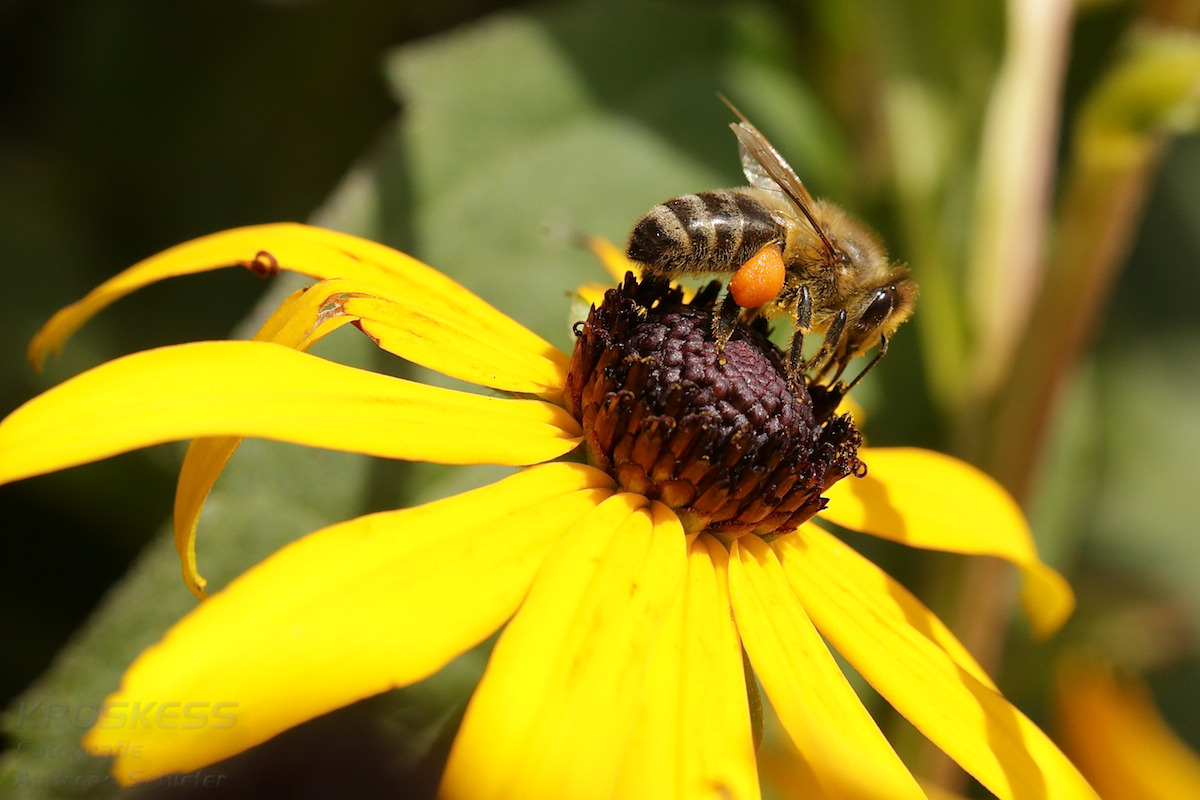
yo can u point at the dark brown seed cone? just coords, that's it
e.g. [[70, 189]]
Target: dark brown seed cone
[[722, 440]]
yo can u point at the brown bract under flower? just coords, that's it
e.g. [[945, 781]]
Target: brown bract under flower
[[718, 437]]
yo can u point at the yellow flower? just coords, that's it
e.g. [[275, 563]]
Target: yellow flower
[[620, 670]]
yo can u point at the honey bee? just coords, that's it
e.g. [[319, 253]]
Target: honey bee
[[786, 254]]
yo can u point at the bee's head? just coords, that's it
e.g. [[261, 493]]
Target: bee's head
[[880, 310]]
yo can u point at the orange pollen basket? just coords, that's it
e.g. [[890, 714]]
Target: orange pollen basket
[[760, 279]]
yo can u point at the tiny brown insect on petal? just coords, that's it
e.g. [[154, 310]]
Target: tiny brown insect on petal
[[264, 264]]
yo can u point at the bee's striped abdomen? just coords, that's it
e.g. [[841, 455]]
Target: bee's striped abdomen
[[706, 232]]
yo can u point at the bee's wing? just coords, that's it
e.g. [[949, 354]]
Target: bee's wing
[[755, 174], [766, 169]]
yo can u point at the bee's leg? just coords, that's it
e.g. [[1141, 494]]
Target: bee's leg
[[801, 322], [825, 357], [883, 345], [724, 322]]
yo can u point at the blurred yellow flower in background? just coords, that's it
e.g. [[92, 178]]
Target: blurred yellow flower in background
[[1115, 734]]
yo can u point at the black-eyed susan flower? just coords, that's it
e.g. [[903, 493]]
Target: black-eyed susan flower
[[633, 590]]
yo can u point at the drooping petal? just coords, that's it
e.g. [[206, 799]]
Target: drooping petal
[[930, 500], [820, 711], [562, 692], [1115, 734], [694, 738], [965, 716], [450, 345], [203, 463], [350, 611], [312, 251], [261, 389], [299, 322]]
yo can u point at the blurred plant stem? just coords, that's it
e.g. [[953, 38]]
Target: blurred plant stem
[[1119, 140], [1016, 173]]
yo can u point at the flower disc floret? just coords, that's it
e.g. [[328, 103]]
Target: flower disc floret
[[717, 435]]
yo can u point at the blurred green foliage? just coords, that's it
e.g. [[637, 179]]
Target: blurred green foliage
[[485, 149]]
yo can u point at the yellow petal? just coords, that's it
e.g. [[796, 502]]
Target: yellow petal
[[787, 773], [308, 250], [930, 500], [694, 738], [850, 406], [450, 345], [202, 465], [590, 294], [310, 314], [810, 556], [612, 257], [299, 322], [938, 793], [457, 348], [1118, 739], [260, 389], [815, 703], [350, 611], [791, 778], [553, 714], [964, 716]]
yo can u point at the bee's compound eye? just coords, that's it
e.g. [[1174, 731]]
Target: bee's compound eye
[[760, 279], [878, 310]]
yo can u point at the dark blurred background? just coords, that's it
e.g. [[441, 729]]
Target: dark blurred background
[[127, 127]]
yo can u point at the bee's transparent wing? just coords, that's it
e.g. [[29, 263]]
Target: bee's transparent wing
[[755, 174], [766, 169]]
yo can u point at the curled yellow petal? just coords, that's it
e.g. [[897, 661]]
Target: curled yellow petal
[[927, 677], [848, 754], [930, 500], [299, 322], [448, 344], [1114, 733], [292, 638], [553, 715], [269, 391], [203, 463], [694, 738], [312, 251]]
